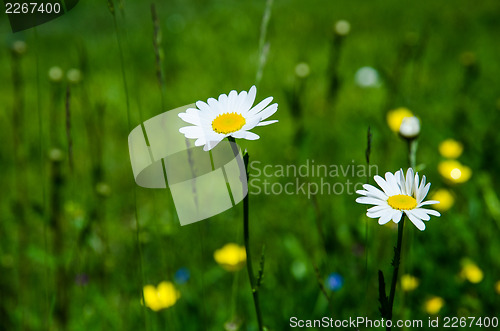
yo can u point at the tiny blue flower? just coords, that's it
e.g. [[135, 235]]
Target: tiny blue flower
[[334, 281], [182, 276]]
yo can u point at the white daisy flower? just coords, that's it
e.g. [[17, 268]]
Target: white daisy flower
[[399, 195], [230, 115]]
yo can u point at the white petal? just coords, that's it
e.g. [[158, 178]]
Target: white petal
[[384, 185], [396, 217], [261, 105], [240, 99], [267, 123], [400, 177], [268, 112], [386, 217], [249, 100], [200, 142], [251, 136], [191, 119], [422, 193], [203, 106], [231, 101], [420, 214], [211, 144], [429, 211], [374, 192], [416, 221], [377, 208], [409, 182], [370, 201], [415, 184], [428, 202], [251, 123], [192, 131], [393, 184], [380, 212]]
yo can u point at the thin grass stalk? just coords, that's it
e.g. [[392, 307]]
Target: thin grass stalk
[[43, 211], [57, 181], [367, 234], [263, 45], [69, 140], [20, 202], [333, 66], [158, 55], [127, 100]]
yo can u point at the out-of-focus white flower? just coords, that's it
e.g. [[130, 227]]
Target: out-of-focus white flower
[[410, 127], [367, 77], [342, 27], [74, 75], [302, 70], [56, 74], [19, 47]]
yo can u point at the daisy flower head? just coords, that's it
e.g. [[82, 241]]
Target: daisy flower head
[[398, 195], [230, 115]]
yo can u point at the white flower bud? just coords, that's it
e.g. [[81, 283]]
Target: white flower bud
[[342, 27], [367, 77], [19, 47], [74, 76], [56, 74], [410, 127], [302, 70]]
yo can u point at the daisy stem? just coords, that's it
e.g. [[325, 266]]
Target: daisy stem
[[412, 153], [395, 263], [246, 237]]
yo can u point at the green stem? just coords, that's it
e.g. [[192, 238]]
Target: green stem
[[412, 153], [251, 276], [395, 263], [246, 238]]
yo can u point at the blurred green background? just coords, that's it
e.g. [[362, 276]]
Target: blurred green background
[[79, 240]]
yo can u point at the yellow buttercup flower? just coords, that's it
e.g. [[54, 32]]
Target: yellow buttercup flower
[[161, 297], [445, 198], [409, 282], [497, 287], [454, 171], [434, 305], [231, 257], [395, 118], [471, 272], [450, 148]]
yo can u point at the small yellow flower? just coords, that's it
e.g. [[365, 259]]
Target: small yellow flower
[[409, 282], [497, 287], [471, 272], [231, 257], [395, 118], [445, 198], [454, 171], [434, 305], [161, 297], [450, 148]]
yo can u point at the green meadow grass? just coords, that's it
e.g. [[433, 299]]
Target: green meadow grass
[[58, 223]]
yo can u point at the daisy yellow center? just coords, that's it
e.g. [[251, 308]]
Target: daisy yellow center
[[228, 123], [402, 202]]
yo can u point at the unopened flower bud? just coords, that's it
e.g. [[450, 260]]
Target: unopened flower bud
[[342, 28], [410, 127]]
